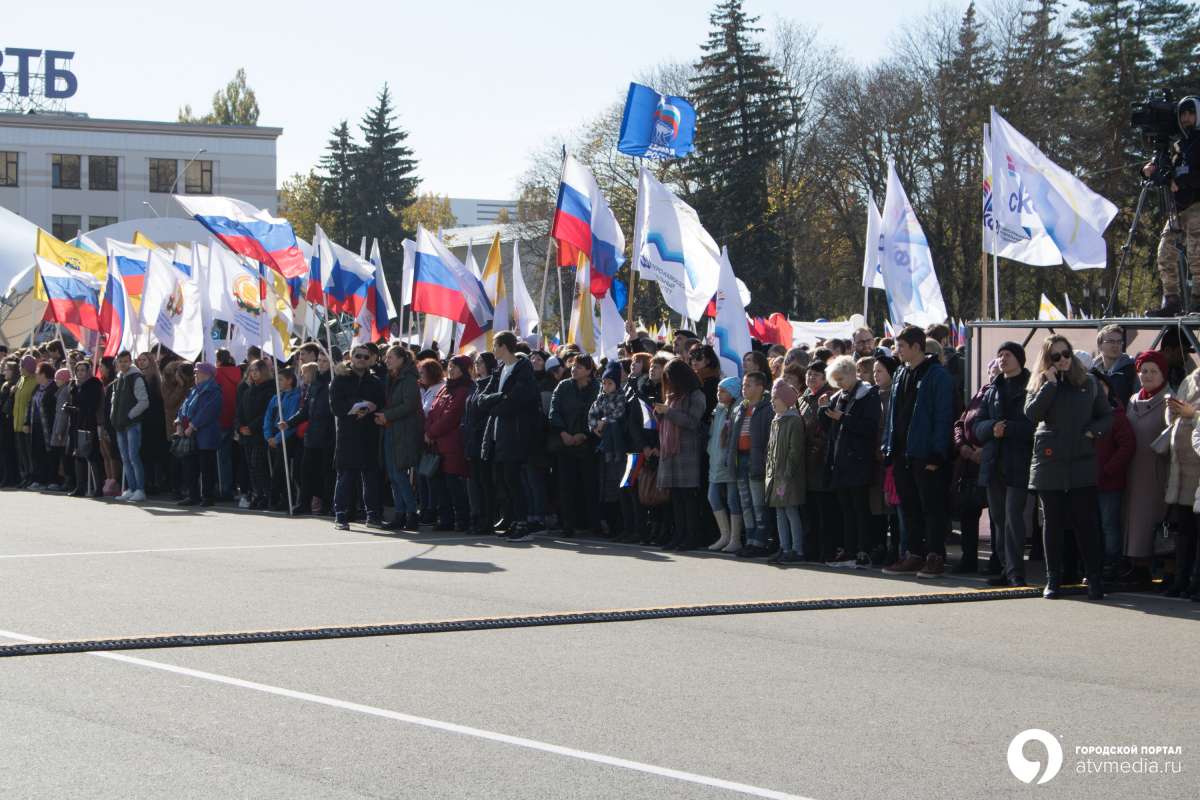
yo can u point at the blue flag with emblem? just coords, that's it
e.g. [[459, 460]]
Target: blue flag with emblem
[[656, 125]]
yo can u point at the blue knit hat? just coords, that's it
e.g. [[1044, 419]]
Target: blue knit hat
[[733, 386]]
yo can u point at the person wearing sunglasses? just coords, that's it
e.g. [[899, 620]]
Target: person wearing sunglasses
[[1070, 412], [354, 396]]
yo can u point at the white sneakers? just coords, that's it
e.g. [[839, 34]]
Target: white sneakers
[[125, 494], [133, 497]]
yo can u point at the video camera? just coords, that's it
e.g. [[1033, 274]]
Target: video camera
[[1155, 118]]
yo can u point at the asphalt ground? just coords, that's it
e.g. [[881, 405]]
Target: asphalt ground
[[908, 701]]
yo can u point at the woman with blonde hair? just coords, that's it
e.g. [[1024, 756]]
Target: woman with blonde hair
[[1070, 412]]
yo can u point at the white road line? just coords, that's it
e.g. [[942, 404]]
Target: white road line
[[448, 727], [233, 547]]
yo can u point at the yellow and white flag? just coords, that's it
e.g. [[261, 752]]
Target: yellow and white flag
[[582, 330], [65, 255], [493, 284], [1049, 311]]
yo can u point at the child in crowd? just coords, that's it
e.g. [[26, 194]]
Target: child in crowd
[[722, 482], [785, 472]]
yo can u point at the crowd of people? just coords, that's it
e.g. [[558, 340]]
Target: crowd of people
[[855, 454]]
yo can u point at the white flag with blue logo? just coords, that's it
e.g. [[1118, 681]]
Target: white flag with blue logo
[[671, 247], [913, 293], [1028, 241], [732, 331], [1072, 215], [872, 277]]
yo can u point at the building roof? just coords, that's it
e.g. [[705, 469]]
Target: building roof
[[521, 231], [51, 121]]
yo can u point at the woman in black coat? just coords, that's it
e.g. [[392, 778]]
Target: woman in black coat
[[87, 397], [578, 478], [851, 420], [316, 480], [481, 487], [252, 407]]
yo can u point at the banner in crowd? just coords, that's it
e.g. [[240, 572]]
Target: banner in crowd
[[73, 296], [671, 248], [64, 255], [444, 287], [582, 330], [1029, 184], [248, 231], [1029, 243], [171, 313], [656, 125], [913, 292]]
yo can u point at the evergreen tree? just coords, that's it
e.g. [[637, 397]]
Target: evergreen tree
[[338, 183], [741, 102], [384, 178]]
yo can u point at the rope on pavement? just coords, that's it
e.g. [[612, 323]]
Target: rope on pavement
[[161, 641]]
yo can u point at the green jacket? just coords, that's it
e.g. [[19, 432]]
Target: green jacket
[[786, 473], [25, 386]]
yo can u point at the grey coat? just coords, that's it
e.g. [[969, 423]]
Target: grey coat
[[682, 470], [1145, 502], [1064, 457], [405, 419]]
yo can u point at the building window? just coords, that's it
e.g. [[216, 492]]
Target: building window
[[64, 170], [8, 169], [102, 173], [65, 226], [163, 172], [198, 178], [99, 222]]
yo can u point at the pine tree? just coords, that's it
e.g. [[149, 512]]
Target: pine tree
[[741, 102], [384, 179], [338, 183]]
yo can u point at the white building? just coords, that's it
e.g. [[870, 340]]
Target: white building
[[470, 212], [70, 172]]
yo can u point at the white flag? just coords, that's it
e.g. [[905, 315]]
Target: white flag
[[440, 330], [406, 278], [171, 306], [872, 276], [732, 333], [913, 292], [525, 315], [1027, 243], [1073, 216], [612, 327], [672, 248]]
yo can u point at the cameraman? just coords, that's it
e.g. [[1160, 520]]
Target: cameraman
[[1185, 188]]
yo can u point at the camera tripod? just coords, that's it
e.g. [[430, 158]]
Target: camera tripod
[[1167, 203]]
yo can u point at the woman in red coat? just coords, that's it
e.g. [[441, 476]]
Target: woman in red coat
[[443, 434]]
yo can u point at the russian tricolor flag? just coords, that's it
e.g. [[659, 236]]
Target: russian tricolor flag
[[583, 223], [249, 232], [380, 307], [73, 296], [338, 279], [442, 286], [117, 316]]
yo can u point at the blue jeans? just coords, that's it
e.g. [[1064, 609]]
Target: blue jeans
[[724, 497], [404, 501], [225, 464], [791, 531], [1110, 523], [752, 495], [129, 442]]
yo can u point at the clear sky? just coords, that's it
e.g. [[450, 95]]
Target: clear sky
[[477, 85]]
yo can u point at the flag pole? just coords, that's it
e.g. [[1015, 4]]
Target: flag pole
[[287, 477], [550, 241], [866, 298], [983, 286], [995, 273]]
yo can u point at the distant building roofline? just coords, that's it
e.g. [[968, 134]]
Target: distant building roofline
[[46, 120]]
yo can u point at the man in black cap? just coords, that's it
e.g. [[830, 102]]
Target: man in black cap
[[1007, 437]]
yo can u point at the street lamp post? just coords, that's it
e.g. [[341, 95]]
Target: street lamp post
[[175, 182]]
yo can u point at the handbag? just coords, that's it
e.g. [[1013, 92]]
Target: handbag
[[182, 446], [1162, 442], [429, 465], [84, 444], [649, 493], [890, 494]]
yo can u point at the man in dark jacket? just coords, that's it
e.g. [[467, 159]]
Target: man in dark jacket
[[130, 402], [1007, 438], [751, 429], [354, 396], [513, 408], [916, 442]]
